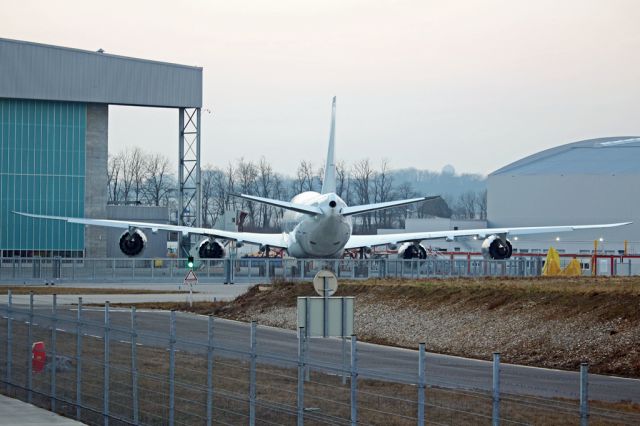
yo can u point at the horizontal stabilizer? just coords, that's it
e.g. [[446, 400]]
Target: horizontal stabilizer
[[348, 211], [300, 208]]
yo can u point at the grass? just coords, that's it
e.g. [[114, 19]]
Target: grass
[[326, 399]]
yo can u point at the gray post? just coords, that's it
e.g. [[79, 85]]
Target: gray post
[[325, 307], [496, 389], [172, 366], [29, 356], [421, 382], [54, 325], [227, 271], [354, 381], [134, 366], [301, 365], [79, 359], [105, 371], [210, 371], [343, 333], [307, 321], [252, 376], [9, 338], [584, 394]]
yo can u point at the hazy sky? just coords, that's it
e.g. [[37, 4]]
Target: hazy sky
[[476, 84]]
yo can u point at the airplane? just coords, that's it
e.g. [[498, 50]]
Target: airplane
[[319, 225]]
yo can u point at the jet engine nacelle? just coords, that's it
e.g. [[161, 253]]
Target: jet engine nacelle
[[210, 249], [412, 251], [133, 242], [494, 247]]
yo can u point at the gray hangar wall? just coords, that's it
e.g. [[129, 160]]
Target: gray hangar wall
[[587, 182], [54, 116]]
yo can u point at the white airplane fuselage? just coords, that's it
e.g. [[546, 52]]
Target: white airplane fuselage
[[322, 235]]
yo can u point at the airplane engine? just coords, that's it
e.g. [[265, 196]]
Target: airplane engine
[[210, 249], [132, 243], [412, 251], [494, 247]]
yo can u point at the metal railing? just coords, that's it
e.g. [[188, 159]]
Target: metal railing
[[102, 366], [256, 269]]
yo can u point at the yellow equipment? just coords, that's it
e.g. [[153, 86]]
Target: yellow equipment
[[552, 264]]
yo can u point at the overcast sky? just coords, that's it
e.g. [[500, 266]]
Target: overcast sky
[[476, 84]]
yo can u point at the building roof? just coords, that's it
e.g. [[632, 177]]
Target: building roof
[[602, 156], [40, 71]]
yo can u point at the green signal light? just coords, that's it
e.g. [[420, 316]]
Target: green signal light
[[190, 262]]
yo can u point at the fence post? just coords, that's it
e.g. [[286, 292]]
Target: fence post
[[79, 359], [134, 366], [421, 381], [105, 371], [354, 381], [301, 368], [496, 389], [343, 337], [29, 356], [210, 370], [172, 366], [53, 366], [9, 339], [252, 376], [584, 394]]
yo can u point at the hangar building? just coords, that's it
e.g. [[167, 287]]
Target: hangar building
[[54, 112], [587, 182]]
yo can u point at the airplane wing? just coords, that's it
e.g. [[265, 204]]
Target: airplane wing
[[273, 240], [348, 211], [357, 241]]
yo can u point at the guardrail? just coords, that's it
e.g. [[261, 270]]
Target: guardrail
[[250, 270], [103, 366]]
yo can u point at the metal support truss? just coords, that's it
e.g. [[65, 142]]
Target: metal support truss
[[190, 196]]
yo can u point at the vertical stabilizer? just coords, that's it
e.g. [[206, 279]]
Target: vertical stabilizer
[[329, 181]]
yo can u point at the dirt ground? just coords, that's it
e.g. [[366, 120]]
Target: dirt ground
[[547, 322]]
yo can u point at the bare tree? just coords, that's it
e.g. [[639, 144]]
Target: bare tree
[[341, 180], [136, 167], [210, 210], [246, 178], [466, 205], [113, 177], [481, 199], [362, 174], [305, 177], [265, 187], [382, 191], [158, 184]]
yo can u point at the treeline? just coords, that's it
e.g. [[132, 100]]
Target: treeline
[[136, 177]]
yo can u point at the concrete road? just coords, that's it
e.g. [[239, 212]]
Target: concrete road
[[16, 412], [375, 361], [202, 292]]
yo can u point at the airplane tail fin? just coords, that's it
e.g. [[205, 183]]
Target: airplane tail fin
[[329, 181]]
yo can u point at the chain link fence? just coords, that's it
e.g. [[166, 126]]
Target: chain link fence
[[102, 368], [256, 269]]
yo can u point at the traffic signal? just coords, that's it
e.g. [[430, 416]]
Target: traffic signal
[[190, 262]]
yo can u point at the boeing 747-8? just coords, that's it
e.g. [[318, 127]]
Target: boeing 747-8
[[320, 226]]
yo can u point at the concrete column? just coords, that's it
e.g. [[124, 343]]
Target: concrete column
[[95, 188]]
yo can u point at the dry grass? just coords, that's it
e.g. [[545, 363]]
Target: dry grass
[[326, 399], [40, 290]]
